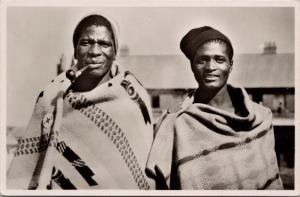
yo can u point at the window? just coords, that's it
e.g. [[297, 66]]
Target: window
[[155, 101]]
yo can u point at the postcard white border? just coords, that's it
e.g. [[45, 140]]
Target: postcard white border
[[147, 3]]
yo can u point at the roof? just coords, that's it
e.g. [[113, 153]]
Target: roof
[[270, 70], [160, 71], [249, 70]]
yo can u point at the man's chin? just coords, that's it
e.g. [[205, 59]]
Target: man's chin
[[97, 72], [212, 85]]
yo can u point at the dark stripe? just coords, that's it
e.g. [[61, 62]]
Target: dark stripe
[[185, 159], [40, 95], [126, 84], [259, 135], [129, 73], [144, 110], [269, 182], [221, 147], [227, 145], [117, 137], [72, 157], [62, 181]]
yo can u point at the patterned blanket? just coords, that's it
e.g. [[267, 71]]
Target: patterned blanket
[[204, 147], [98, 139]]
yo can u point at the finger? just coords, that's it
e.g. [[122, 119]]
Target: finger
[[150, 173], [161, 183], [158, 172]]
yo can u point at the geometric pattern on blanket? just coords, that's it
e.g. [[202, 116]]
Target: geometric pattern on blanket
[[40, 144], [135, 96], [32, 145], [77, 163], [70, 135], [221, 147], [60, 179], [114, 133], [206, 148]]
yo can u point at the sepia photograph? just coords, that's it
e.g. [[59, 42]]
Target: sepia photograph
[[140, 97]]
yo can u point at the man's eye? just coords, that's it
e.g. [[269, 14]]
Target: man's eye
[[220, 60], [106, 44], [84, 43], [201, 61]]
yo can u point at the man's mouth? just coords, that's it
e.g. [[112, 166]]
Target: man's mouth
[[211, 77], [94, 64]]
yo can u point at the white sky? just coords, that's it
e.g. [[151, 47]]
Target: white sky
[[37, 36]]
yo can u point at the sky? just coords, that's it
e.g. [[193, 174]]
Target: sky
[[38, 36]]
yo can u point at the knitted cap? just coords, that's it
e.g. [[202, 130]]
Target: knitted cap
[[198, 36]]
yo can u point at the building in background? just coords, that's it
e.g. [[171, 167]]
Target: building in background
[[267, 77]]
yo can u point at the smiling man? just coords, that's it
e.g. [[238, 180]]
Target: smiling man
[[219, 138], [81, 134]]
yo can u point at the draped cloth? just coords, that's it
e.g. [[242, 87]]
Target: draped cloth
[[204, 147], [98, 139]]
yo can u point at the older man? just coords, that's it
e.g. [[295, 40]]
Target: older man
[[219, 139], [91, 127]]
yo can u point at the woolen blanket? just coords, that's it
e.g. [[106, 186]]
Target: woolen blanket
[[204, 147], [98, 139]]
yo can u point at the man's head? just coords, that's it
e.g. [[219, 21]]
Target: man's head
[[95, 44], [210, 53]]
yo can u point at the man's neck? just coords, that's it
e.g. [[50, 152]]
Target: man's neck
[[105, 78], [219, 98], [86, 82]]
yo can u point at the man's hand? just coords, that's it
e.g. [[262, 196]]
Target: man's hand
[[158, 178]]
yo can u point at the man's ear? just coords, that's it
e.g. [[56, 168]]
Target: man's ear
[[231, 65], [191, 64], [115, 53], [75, 55]]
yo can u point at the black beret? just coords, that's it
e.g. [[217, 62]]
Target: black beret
[[196, 37]]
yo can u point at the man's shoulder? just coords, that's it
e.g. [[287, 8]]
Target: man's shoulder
[[237, 90]]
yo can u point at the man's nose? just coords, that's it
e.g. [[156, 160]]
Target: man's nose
[[95, 50], [211, 65]]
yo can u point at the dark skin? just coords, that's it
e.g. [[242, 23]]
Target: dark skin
[[211, 67], [95, 53]]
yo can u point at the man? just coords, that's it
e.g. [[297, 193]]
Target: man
[[91, 127], [219, 139]]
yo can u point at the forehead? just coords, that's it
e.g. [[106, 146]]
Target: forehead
[[212, 48], [96, 31]]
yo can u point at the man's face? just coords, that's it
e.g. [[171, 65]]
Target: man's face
[[95, 50], [211, 66]]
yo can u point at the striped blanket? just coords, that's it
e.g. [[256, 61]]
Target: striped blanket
[[98, 139], [204, 147]]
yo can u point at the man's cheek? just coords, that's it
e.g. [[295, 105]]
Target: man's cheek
[[109, 53]]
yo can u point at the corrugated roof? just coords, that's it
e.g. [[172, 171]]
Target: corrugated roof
[[249, 70]]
